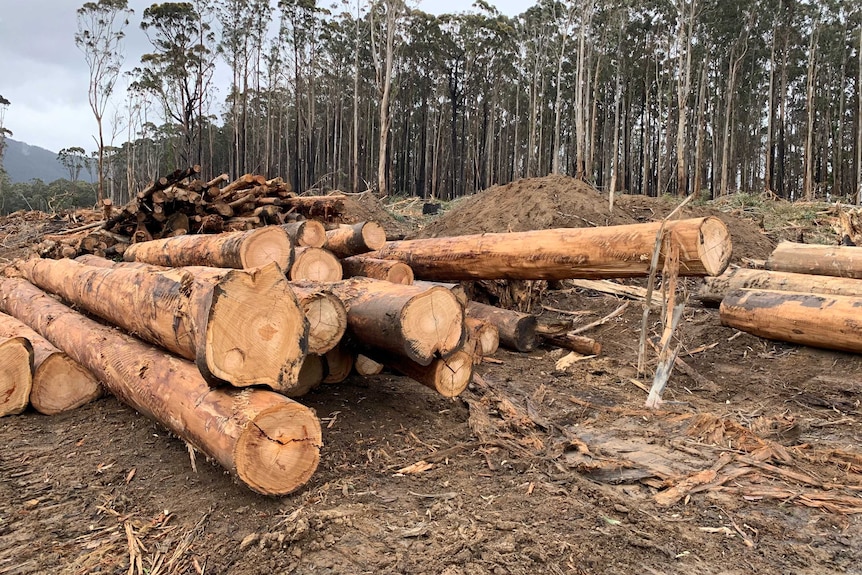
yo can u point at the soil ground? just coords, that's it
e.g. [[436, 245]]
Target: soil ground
[[752, 466]]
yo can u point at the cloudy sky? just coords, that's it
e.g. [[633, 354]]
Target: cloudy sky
[[44, 76]]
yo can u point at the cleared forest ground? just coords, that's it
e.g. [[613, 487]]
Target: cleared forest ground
[[753, 468]]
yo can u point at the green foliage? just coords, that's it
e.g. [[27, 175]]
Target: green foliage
[[53, 197]]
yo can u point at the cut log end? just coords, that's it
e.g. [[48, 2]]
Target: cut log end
[[250, 344], [60, 384], [339, 364], [280, 450], [433, 318], [327, 321], [16, 379], [373, 235], [715, 249], [315, 264], [454, 374], [266, 245]]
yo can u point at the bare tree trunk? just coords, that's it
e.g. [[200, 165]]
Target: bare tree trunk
[[770, 125], [581, 88], [808, 179], [698, 142], [859, 125], [683, 88], [555, 165]]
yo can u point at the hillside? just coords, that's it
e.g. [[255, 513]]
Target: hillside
[[24, 162]]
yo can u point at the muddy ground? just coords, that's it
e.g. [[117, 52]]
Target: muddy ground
[[752, 466]]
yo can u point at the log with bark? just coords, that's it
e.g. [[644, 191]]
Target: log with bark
[[353, 239], [484, 335], [516, 330], [326, 314], [389, 270], [311, 375], [306, 233], [573, 342], [839, 261], [457, 289], [715, 289], [827, 321], [240, 250], [605, 252], [447, 376], [244, 327], [16, 374], [271, 443], [59, 384], [409, 321], [315, 264], [338, 363]]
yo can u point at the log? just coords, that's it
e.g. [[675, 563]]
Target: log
[[338, 364], [311, 375], [579, 343], [448, 377], [349, 240], [306, 233], [326, 314], [165, 181], [323, 207], [484, 335], [827, 321], [405, 320], [241, 250], [16, 375], [59, 384], [715, 289], [271, 443], [457, 289], [389, 270], [315, 264], [516, 330], [241, 327], [591, 253], [365, 366], [838, 261]]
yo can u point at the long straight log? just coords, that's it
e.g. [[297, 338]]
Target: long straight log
[[406, 320], [839, 261], [306, 233], [16, 374], [389, 270], [59, 383], [715, 289], [241, 250], [516, 330], [604, 252], [244, 327], [315, 264], [349, 240], [827, 321], [269, 441]]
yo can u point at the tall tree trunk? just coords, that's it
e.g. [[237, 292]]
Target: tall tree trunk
[[687, 13], [859, 124], [810, 78], [700, 129]]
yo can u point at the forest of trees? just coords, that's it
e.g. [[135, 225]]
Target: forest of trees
[[653, 97]]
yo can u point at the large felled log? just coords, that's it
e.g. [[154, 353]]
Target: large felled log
[[457, 289], [306, 233], [16, 374], [406, 320], [448, 377], [839, 261], [315, 264], [59, 383], [244, 327], [269, 441], [349, 240], [389, 270], [828, 321], [714, 289], [241, 250], [604, 252], [516, 330], [326, 314]]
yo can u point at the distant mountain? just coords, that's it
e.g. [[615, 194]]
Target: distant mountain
[[24, 162]]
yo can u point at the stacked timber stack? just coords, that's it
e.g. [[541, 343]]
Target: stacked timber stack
[[181, 203], [809, 294]]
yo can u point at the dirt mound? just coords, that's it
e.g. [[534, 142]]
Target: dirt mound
[[527, 204], [365, 207], [563, 202]]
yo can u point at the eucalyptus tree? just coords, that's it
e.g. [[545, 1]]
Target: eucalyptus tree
[[74, 159], [101, 29], [179, 70]]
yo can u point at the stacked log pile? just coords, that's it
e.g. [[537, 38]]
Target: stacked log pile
[[810, 295], [266, 305]]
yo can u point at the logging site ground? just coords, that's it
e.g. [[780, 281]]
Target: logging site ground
[[752, 465]]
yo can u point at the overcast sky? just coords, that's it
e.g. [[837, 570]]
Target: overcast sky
[[44, 75]]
